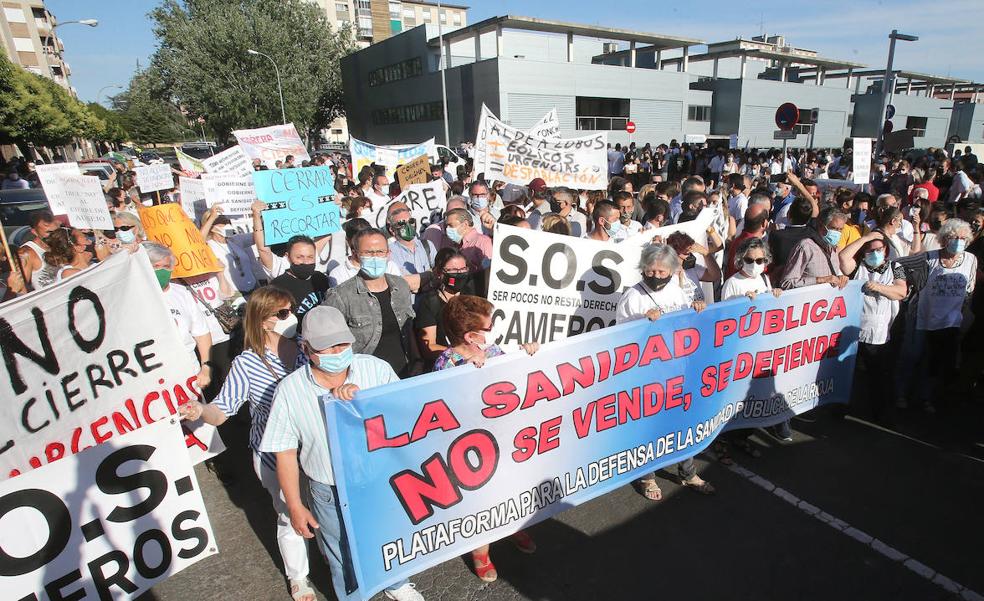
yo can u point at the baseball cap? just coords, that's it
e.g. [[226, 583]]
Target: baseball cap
[[324, 327], [537, 185]]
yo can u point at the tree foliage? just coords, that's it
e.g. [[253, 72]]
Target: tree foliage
[[38, 110], [147, 114], [203, 62]]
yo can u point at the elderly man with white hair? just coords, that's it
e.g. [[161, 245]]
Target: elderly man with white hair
[[660, 292]]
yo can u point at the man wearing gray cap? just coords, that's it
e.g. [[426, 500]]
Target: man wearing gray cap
[[334, 373]]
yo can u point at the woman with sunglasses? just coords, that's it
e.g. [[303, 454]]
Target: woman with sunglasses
[[127, 235], [271, 352], [468, 321]]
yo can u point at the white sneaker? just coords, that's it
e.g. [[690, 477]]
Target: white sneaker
[[407, 592]]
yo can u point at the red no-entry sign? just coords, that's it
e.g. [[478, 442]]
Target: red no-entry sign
[[630, 127]]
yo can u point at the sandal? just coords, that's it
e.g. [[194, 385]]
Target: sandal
[[650, 490], [747, 446], [523, 542], [699, 485], [486, 571], [300, 590], [722, 454]]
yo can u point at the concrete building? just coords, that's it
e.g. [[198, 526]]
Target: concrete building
[[376, 20], [967, 123], [28, 32]]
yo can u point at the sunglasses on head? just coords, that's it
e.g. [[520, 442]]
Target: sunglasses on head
[[282, 314], [749, 260]]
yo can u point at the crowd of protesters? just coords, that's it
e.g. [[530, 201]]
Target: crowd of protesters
[[283, 325]]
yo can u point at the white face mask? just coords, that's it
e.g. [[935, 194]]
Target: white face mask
[[754, 270], [483, 346], [286, 327]]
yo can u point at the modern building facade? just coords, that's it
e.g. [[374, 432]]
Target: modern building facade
[[600, 78], [28, 33]]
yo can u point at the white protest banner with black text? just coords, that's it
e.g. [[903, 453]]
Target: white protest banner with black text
[[236, 194], [391, 157], [423, 200], [548, 126], [49, 175], [272, 144], [231, 161], [88, 359], [151, 178], [81, 199], [108, 523]]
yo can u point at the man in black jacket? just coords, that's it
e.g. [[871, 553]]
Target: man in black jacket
[[781, 242]]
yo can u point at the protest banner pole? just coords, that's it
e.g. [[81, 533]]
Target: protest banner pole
[[14, 265], [158, 193]]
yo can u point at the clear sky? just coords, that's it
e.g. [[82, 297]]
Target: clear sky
[[951, 38]]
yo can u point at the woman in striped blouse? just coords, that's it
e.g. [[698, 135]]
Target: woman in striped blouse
[[271, 352]]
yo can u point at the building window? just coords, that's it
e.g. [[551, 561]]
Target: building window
[[425, 111], [341, 8], [444, 16], [917, 125], [397, 72], [601, 113], [427, 15], [457, 18], [395, 10], [697, 112]]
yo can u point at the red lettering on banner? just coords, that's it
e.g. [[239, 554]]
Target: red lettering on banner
[[570, 375], [500, 398], [434, 415], [626, 357], [539, 388]]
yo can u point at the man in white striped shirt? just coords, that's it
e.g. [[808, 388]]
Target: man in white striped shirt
[[296, 421]]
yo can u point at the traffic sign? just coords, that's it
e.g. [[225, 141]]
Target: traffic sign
[[890, 111], [787, 116], [630, 127], [784, 134]]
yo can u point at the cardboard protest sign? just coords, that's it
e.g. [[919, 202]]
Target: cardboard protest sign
[[391, 157], [548, 126], [412, 172], [235, 193], [130, 507], [167, 224], [423, 200], [482, 453], [862, 160], [192, 197], [300, 201], [513, 156], [151, 178], [231, 161], [188, 163], [272, 144], [49, 175], [82, 200], [548, 287], [89, 359]]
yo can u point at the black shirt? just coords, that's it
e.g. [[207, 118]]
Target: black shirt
[[429, 309], [390, 347], [307, 294]]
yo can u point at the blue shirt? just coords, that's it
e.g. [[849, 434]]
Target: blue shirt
[[419, 260]]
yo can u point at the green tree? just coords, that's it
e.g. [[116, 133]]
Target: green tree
[[203, 62], [35, 109], [147, 114], [113, 131]]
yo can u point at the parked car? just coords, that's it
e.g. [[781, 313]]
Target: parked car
[[151, 158], [199, 150], [16, 207]]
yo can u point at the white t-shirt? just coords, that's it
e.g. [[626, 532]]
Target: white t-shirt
[[348, 270], [942, 298], [878, 312], [741, 284], [639, 299], [737, 205], [692, 285], [206, 288], [189, 320]]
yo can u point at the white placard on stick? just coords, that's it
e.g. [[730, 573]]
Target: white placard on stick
[[231, 161], [192, 197], [236, 194], [151, 178], [50, 175], [81, 198], [862, 160]]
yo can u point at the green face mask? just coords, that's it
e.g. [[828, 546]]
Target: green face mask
[[163, 277], [408, 232]]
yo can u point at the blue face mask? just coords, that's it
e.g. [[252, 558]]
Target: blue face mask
[[478, 202], [832, 237], [874, 258], [373, 267], [126, 236], [453, 235], [336, 363], [614, 230], [956, 246]]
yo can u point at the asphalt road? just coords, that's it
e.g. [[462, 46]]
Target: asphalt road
[[848, 510]]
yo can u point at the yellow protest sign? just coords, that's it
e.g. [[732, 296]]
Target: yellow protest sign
[[167, 224], [412, 172]]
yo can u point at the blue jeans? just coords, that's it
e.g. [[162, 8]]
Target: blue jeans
[[333, 541]]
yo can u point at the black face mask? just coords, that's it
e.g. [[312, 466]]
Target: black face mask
[[935, 224], [656, 284], [302, 271], [554, 207], [690, 262], [455, 282], [975, 227]]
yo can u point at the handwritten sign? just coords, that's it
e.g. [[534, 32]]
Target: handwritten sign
[[233, 192], [151, 178], [192, 197], [300, 201], [189, 164], [548, 126], [416, 171], [167, 224], [81, 198], [862, 160], [280, 224], [50, 176], [231, 161], [391, 157], [272, 144], [423, 200]]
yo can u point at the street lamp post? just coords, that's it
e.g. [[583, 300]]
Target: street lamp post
[[283, 113], [444, 84], [100, 93], [51, 34], [887, 81]]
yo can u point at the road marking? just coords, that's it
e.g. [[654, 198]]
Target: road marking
[[861, 536]]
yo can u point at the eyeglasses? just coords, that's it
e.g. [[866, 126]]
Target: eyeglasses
[[404, 222], [282, 314], [374, 253], [758, 261]]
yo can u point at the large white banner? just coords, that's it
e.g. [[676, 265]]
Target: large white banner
[[231, 161], [862, 160], [236, 194], [50, 175], [272, 144], [108, 523], [548, 287], [423, 200], [364, 153], [89, 359], [151, 178], [81, 199], [548, 126], [514, 156]]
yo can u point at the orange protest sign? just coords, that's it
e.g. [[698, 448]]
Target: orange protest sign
[[167, 224], [412, 172]]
